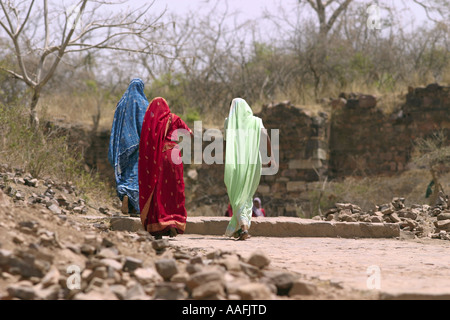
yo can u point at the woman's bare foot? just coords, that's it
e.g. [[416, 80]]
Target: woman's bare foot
[[125, 205]]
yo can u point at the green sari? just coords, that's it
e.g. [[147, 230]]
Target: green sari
[[242, 163]]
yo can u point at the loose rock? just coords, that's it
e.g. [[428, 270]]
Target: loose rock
[[167, 268], [160, 245], [254, 291], [21, 292], [259, 260], [131, 264], [170, 291], [282, 280], [211, 290], [301, 288], [147, 275]]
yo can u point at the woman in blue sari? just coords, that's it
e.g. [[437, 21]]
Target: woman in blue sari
[[123, 151]]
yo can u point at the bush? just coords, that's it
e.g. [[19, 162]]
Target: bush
[[43, 154]]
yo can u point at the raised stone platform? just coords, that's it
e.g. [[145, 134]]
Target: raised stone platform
[[276, 227]]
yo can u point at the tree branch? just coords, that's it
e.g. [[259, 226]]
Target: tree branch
[[313, 5], [15, 75], [19, 31], [7, 30], [427, 10], [337, 13], [62, 49], [11, 28]]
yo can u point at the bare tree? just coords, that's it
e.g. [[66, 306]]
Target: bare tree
[[433, 8], [65, 30], [326, 20], [204, 60]]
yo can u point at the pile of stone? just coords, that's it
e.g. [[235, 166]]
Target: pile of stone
[[47, 193], [174, 274], [56, 204], [420, 220], [441, 213], [347, 212], [352, 101]]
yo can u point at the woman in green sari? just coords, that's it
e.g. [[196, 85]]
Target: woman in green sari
[[242, 165]]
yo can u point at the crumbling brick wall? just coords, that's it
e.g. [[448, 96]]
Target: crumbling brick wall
[[303, 157], [365, 141], [356, 138]]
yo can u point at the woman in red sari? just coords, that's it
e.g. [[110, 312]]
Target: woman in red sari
[[161, 183]]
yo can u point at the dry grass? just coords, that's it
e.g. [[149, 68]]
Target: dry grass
[[389, 99], [77, 109], [81, 108], [368, 192]]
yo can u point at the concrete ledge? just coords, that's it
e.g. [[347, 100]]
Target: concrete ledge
[[276, 227], [126, 224], [415, 296], [295, 227]]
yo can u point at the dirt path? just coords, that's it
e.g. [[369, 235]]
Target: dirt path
[[413, 266]]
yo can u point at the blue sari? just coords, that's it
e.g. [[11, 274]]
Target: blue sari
[[123, 151]]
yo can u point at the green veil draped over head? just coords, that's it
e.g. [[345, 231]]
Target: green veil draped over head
[[242, 163]]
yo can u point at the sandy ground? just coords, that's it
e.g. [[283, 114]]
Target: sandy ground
[[403, 266]]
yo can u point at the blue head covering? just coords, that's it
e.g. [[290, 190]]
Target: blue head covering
[[123, 150]]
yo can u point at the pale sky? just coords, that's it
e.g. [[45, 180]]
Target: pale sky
[[253, 9], [249, 8]]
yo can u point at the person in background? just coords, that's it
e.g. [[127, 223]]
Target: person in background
[[161, 182], [258, 211], [229, 212], [123, 150]]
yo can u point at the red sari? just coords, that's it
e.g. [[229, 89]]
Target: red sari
[[161, 183]]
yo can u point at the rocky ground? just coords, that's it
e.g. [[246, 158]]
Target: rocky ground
[[49, 251], [422, 221]]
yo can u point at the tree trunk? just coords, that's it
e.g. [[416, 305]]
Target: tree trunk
[[34, 119], [97, 117]]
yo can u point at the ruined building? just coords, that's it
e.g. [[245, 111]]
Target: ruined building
[[354, 138]]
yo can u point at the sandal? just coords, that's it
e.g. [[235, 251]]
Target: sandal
[[173, 232], [237, 234], [244, 236]]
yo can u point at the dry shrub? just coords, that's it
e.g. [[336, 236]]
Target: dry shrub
[[77, 108], [44, 154]]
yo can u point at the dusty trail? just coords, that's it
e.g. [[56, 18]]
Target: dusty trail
[[412, 266]]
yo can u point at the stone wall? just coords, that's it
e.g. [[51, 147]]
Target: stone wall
[[356, 138], [303, 158], [365, 141], [96, 155]]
